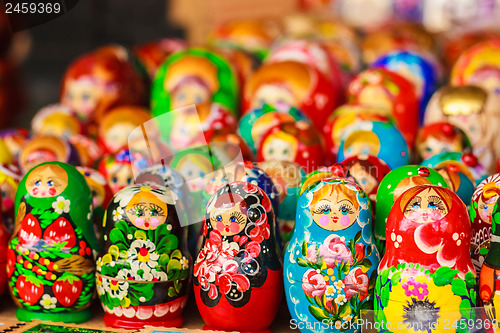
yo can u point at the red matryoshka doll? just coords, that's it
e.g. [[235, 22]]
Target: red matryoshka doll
[[437, 138], [99, 81], [117, 169], [297, 142], [465, 107], [426, 278], [15, 139], [152, 54], [368, 171], [88, 150], [101, 195], [238, 272], [117, 124], [10, 176], [343, 118], [57, 120], [254, 37], [314, 54], [144, 270], [387, 90], [194, 76], [291, 84], [46, 148], [480, 211]]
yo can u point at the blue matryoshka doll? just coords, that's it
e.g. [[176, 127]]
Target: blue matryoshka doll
[[331, 262]]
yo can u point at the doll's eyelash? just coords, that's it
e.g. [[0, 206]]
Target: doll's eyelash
[[158, 209], [55, 181], [346, 207], [33, 182], [240, 219], [319, 209], [438, 202], [409, 207]]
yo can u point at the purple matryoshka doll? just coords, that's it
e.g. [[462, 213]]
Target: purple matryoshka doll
[[238, 272], [143, 273]]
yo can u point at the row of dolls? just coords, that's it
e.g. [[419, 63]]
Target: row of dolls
[[143, 272]]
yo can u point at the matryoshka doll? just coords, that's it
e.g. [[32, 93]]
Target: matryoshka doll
[[238, 272], [439, 138], [46, 148], [293, 141], [387, 90], [426, 278], [98, 81], [331, 262], [117, 169], [291, 84], [375, 138], [4, 242], [88, 150], [57, 120], [480, 211], [194, 76], [101, 196], [287, 178], [117, 124], [51, 266], [15, 139], [464, 107], [392, 186], [10, 176], [143, 273]]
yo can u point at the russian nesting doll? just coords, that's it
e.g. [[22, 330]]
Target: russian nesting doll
[[144, 271], [117, 169], [51, 266], [441, 137], [331, 262], [10, 176], [88, 150], [480, 211], [151, 55], [426, 280], [15, 139], [4, 243], [375, 138], [101, 196], [238, 272], [293, 141], [287, 178], [57, 120], [390, 188]]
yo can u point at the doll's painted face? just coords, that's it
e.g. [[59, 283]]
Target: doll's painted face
[[433, 146], [116, 136], [361, 143], [83, 96], [46, 181], [97, 191], [228, 219], [376, 96], [485, 208], [119, 175], [426, 207], [335, 211], [273, 94], [39, 156], [471, 124], [363, 177], [279, 148], [190, 91], [146, 214], [8, 196], [185, 130], [194, 168]]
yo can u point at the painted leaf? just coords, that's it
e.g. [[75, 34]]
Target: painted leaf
[[302, 263], [318, 313], [465, 309], [459, 288], [344, 310], [470, 280], [357, 237], [443, 276]]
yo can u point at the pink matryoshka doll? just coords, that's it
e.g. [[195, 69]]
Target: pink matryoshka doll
[[238, 272], [117, 169], [390, 91], [426, 277], [292, 141], [481, 209]]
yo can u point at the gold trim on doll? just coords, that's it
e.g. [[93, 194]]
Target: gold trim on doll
[[46, 181], [334, 207]]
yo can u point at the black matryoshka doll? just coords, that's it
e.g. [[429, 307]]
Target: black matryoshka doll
[[238, 272], [50, 259], [143, 273]]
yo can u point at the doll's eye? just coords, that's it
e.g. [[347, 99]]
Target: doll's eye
[[129, 181], [182, 97], [326, 210], [93, 193], [416, 205], [262, 101], [285, 151], [271, 151], [365, 151], [432, 205], [202, 174], [4, 195], [364, 181], [85, 96], [218, 218], [198, 99], [115, 180], [428, 149], [139, 212], [232, 219], [50, 183], [154, 212], [344, 209], [38, 183]]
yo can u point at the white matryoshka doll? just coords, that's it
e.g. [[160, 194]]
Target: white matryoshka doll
[[480, 211], [426, 280], [331, 262]]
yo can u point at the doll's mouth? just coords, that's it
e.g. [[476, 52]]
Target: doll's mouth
[[335, 219], [425, 216]]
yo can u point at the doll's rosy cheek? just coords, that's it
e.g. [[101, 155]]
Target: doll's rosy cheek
[[436, 215], [155, 222], [35, 191], [235, 227], [52, 191], [345, 221], [220, 226], [323, 220], [414, 216], [139, 221]]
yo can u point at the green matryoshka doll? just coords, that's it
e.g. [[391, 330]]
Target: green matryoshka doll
[[50, 265]]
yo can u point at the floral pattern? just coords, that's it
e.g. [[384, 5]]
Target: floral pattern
[[61, 205]]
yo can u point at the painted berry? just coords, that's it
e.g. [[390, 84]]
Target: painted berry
[[67, 289], [30, 288], [29, 231], [60, 231]]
